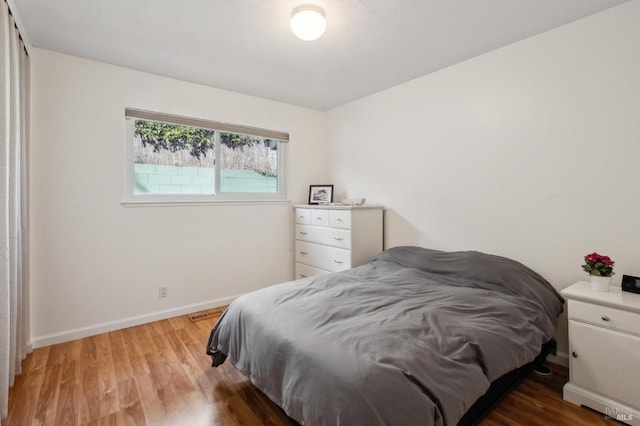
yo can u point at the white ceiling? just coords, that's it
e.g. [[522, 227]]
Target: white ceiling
[[246, 45]]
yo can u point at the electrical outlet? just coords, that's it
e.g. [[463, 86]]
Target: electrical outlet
[[163, 290]]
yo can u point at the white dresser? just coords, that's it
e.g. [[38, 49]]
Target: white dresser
[[335, 238], [604, 351]]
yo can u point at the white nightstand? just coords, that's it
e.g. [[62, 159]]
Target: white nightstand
[[604, 351]]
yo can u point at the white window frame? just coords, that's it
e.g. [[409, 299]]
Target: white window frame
[[133, 199]]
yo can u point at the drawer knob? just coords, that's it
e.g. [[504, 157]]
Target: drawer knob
[[303, 252], [303, 233], [338, 261], [339, 220], [605, 318], [338, 238], [573, 354], [303, 276]]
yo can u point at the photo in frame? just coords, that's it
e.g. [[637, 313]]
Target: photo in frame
[[320, 194]]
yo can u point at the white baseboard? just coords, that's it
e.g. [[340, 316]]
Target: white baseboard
[[79, 333], [560, 358]]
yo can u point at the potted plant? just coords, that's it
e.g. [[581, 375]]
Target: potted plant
[[600, 270]]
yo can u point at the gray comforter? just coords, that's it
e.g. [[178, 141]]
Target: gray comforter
[[414, 337]]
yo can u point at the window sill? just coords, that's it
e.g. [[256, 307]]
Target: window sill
[[186, 203]]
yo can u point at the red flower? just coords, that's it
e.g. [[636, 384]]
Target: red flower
[[592, 258], [597, 264], [607, 260]]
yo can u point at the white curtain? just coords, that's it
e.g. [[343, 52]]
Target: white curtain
[[14, 289]]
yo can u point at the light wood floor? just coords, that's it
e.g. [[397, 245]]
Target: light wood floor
[[158, 374]]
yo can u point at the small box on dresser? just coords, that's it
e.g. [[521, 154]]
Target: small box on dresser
[[604, 351], [335, 238]]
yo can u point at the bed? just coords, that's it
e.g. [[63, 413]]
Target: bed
[[414, 337]]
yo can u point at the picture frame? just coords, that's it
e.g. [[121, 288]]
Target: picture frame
[[319, 194]]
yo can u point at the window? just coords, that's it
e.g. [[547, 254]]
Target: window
[[179, 159]]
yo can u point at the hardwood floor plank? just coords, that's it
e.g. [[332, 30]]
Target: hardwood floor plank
[[48, 395], [120, 357], [130, 404], [106, 376], [89, 395], [37, 359], [144, 339], [68, 403], [150, 400], [158, 374], [23, 399]]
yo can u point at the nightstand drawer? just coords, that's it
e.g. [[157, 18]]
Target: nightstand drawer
[[604, 316], [329, 236], [323, 257]]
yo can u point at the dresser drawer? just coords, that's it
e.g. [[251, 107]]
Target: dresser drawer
[[304, 271], [303, 216], [340, 219], [329, 236], [320, 217], [323, 257], [605, 316]]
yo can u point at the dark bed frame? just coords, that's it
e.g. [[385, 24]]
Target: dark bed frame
[[500, 388], [497, 391]]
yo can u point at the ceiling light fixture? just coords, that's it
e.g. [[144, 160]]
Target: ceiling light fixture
[[308, 22]]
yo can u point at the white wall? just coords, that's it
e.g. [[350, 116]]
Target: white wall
[[531, 151], [95, 264]]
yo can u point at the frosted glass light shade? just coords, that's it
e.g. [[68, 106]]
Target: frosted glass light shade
[[308, 22]]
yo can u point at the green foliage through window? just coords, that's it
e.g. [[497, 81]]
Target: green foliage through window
[[175, 138]]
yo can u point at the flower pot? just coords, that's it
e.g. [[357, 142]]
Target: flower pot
[[600, 283]]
